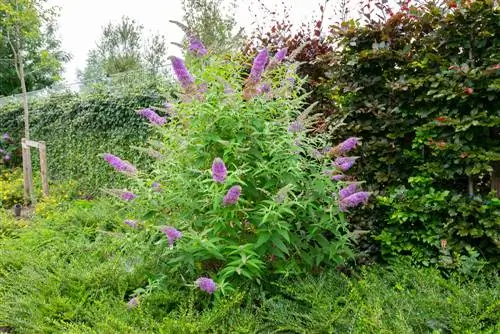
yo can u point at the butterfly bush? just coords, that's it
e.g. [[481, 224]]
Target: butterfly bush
[[273, 211]]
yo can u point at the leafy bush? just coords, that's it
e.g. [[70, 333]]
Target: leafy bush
[[270, 205], [421, 90], [11, 187]]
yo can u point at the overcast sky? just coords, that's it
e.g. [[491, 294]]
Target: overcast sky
[[81, 21]]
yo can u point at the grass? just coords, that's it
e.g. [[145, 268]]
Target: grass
[[73, 268]]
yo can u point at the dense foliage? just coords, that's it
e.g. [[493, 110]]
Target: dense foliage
[[88, 265], [421, 89]]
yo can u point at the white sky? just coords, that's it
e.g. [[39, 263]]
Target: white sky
[[81, 21]]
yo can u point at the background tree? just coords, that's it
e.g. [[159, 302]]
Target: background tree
[[211, 21], [30, 55], [122, 48]]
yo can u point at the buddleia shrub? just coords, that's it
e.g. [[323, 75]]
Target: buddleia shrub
[[239, 189]]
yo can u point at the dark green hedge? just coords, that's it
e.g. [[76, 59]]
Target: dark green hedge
[[78, 128], [422, 90]]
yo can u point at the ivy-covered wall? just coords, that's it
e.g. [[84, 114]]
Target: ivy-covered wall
[[78, 129]]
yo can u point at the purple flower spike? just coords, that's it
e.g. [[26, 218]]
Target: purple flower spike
[[354, 200], [296, 126], [128, 196], [156, 186], [133, 303], [232, 195], [202, 88], [172, 234], [131, 223], [196, 47], [206, 284], [6, 157], [348, 191], [344, 163], [153, 117], [280, 55], [259, 64], [219, 171], [119, 164], [338, 177], [347, 145], [6, 136], [265, 88], [182, 72]]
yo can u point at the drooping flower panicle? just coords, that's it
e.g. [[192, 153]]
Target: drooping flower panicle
[[185, 78], [127, 196], [119, 164], [206, 284], [281, 54], [347, 145], [296, 126], [344, 163], [131, 223], [232, 196], [172, 234], [219, 171], [133, 303], [196, 46], [156, 186], [152, 116], [353, 200], [348, 191], [259, 64]]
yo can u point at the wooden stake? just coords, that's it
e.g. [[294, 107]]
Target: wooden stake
[[43, 167]]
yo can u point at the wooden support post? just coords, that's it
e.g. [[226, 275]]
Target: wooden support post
[[43, 167], [25, 151], [29, 193]]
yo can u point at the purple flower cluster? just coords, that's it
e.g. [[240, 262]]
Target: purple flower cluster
[[133, 303], [6, 137], [347, 145], [348, 191], [119, 164], [182, 72], [338, 177], [156, 186], [219, 171], [280, 55], [196, 46], [344, 163], [127, 196], [296, 126], [206, 284], [259, 64], [153, 117], [172, 234], [232, 195], [131, 223], [353, 200]]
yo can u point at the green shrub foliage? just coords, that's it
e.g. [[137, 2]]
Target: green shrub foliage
[[421, 89]]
